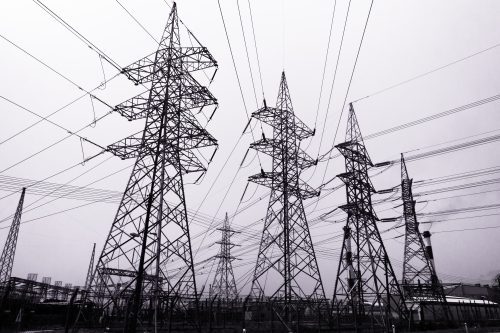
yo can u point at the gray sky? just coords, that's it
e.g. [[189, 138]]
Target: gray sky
[[403, 39]]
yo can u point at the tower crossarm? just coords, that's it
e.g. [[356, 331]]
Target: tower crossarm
[[125, 273], [274, 180], [268, 147], [354, 151], [274, 117], [190, 163], [130, 147], [137, 107], [192, 58], [197, 58], [358, 211], [192, 135], [228, 230], [358, 178], [192, 95]]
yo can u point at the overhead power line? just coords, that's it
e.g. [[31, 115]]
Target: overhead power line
[[237, 75], [348, 87], [247, 54], [333, 81], [136, 21], [52, 69], [468, 229], [56, 143], [423, 120], [326, 61], [77, 34], [256, 50], [413, 78], [435, 116], [50, 122]]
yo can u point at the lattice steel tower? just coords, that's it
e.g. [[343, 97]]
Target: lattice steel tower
[[224, 284], [90, 270], [147, 259], [9, 249], [366, 288], [286, 259], [420, 280]]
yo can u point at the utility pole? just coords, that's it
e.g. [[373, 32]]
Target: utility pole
[[9, 249], [224, 284], [135, 269], [366, 288], [420, 279], [286, 272]]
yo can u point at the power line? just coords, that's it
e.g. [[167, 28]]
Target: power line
[[237, 75], [44, 64], [426, 73], [51, 122], [436, 116], [459, 218], [136, 21], [422, 121], [348, 86], [50, 68], [56, 143], [326, 61], [461, 210], [62, 171], [334, 77], [78, 35], [53, 113], [256, 51], [471, 229], [457, 147], [246, 51]]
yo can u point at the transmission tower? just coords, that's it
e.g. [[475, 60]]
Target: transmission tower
[[147, 259], [366, 288], [286, 271], [420, 281], [224, 285], [9, 249], [90, 271]]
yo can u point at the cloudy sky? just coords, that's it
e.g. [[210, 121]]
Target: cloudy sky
[[403, 40]]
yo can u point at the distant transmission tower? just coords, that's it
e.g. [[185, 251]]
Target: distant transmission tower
[[147, 261], [90, 271], [420, 281], [9, 249], [366, 288], [224, 284], [286, 271]]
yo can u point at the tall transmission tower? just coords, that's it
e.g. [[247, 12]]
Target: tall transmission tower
[[420, 281], [9, 249], [224, 284], [90, 271], [366, 288], [147, 259], [286, 271]]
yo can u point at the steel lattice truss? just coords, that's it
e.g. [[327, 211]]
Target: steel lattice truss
[[420, 281], [147, 257], [286, 260], [366, 288], [9, 249], [224, 285], [88, 279]]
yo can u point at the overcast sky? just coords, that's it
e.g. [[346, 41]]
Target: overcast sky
[[403, 39]]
